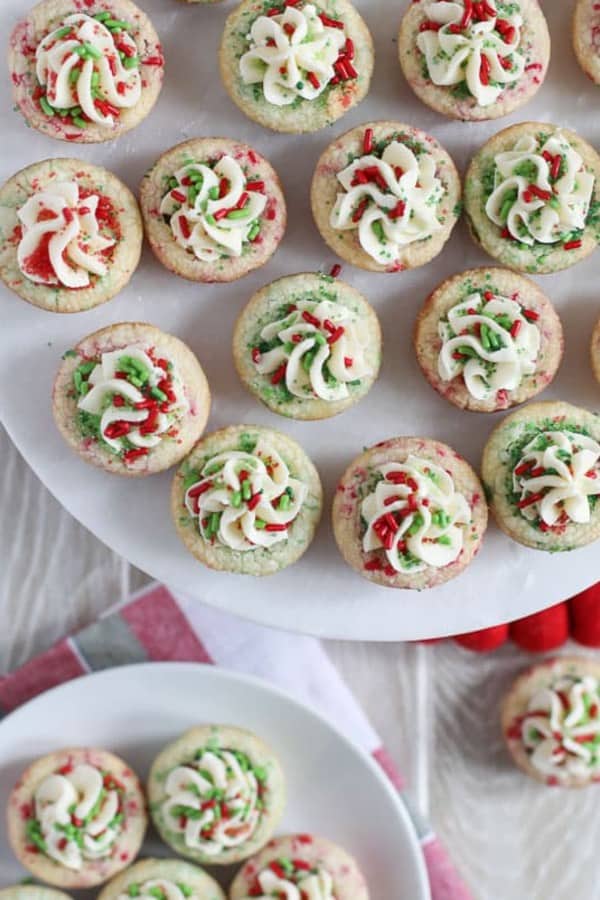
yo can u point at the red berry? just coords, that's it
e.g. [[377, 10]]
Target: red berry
[[484, 640], [584, 609], [542, 631]]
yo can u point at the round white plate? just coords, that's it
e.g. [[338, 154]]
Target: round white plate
[[334, 789], [320, 594]]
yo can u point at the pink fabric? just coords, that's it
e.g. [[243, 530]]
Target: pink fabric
[[444, 880], [53, 667], [162, 629], [389, 767]]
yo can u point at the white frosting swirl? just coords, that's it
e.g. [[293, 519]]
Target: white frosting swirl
[[78, 816], [460, 46], [147, 416], [83, 65], [561, 728], [61, 241], [416, 515], [555, 477], [487, 339], [214, 805], [149, 890], [542, 191], [392, 201], [212, 212], [321, 348], [292, 55], [246, 500], [305, 886]]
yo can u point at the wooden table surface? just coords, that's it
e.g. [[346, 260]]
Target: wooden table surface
[[436, 707]]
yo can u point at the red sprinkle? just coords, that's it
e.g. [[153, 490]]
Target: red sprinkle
[[335, 270], [256, 355], [368, 141], [429, 26], [278, 374], [529, 501], [336, 335], [254, 501], [178, 196], [360, 210], [572, 245], [516, 327], [255, 186], [313, 80], [185, 227], [276, 526], [331, 23], [312, 320], [485, 70], [132, 455], [348, 361], [531, 315]]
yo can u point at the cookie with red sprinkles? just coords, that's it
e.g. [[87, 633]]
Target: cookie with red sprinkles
[[174, 878], [385, 197], [76, 818], [131, 399], [85, 70], [247, 500], [551, 721], [296, 66], [213, 208], [595, 350], [474, 60], [308, 346], [541, 473], [532, 197], [586, 31], [300, 865], [488, 339], [216, 794], [70, 235], [409, 513]]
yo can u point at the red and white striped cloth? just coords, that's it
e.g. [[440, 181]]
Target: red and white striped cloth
[[157, 625]]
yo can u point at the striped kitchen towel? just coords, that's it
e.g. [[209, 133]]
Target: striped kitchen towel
[[157, 625]]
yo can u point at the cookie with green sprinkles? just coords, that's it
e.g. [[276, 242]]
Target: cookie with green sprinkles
[[76, 817], [162, 879], [385, 197], [409, 513], [70, 235], [541, 473], [216, 794], [595, 350], [131, 399], [551, 721], [300, 865], [488, 339], [474, 61], [586, 21], [532, 198], [296, 66], [85, 71], [308, 346], [213, 208], [247, 500], [31, 892]]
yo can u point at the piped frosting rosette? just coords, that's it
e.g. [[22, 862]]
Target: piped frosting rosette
[[293, 880]]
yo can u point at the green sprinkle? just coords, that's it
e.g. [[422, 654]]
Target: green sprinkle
[[236, 499], [260, 524], [185, 889], [131, 62], [81, 51], [238, 214], [247, 442], [134, 890], [191, 195], [253, 231], [74, 75], [260, 773], [69, 354], [211, 219], [246, 489], [284, 502], [46, 107], [75, 111], [81, 123], [92, 51], [445, 540], [95, 80], [320, 339], [172, 183], [158, 394], [102, 16], [116, 23], [156, 892], [33, 830], [378, 231], [214, 193], [63, 32]]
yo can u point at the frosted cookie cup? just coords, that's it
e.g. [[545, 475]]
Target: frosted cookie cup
[[85, 72], [76, 817], [551, 722], [409, 513], [474, 61], [70, 235], [300, 865], [541, 473], [385, 197], [595, 350], [586, 20], [213, 209], [296, 67], [308, 346], [247, 500], [162, 879], [488, 339], [131, 399], [216, 794], [31, 892], [531, 198]]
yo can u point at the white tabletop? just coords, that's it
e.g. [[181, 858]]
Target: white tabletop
[[436, 707]]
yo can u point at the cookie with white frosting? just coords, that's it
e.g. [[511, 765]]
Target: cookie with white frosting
[[551, 721], [31, 892], [247, 500], [161, 879], [213, 209], [298, 866], [131, 399], [541, 473], [409, 513], [385, 196], [85, 71], [586, 21], [76, 817], [532, 197], [474, 61], [595, 350], [70, 234], [296, 67], [488, 339], [216, 794], [308, 346]]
